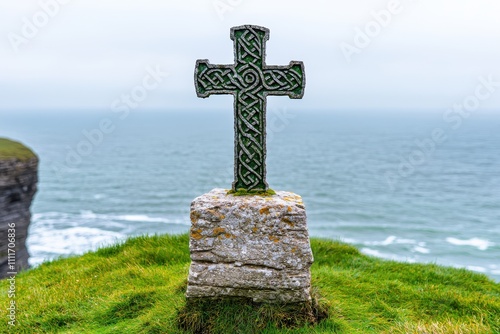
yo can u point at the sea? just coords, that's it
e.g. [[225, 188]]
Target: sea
[[412, 186]]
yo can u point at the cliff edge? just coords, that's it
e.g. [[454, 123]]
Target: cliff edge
[[18, 185]]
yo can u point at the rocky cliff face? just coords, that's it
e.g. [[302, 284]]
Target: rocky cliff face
[[18, 184]]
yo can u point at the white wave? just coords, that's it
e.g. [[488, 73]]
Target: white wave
[[374, 252], [90, 215], [480, 244], [48, 215], [490, 270], [143, 218], [421, 250], [477, 269], [69, 241], [55, 234], [129, 218], [406, 241], [349, 240], [390, 240], [36, 216], [87, 214]]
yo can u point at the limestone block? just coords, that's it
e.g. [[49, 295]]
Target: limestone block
[[250, 246]]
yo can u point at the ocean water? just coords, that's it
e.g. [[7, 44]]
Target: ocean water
[[409, 186]]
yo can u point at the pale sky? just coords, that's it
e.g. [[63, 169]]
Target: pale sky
[[84, 54]]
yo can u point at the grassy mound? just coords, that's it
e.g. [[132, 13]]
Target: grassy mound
[[13, 150], [138, 287], [244, 316]]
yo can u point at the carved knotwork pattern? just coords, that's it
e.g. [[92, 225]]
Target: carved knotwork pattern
[[250, 81]]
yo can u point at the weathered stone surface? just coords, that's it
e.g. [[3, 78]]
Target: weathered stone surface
[[250, 246], [18, 185]]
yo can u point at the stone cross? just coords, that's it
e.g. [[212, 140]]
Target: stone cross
[[250, 80]]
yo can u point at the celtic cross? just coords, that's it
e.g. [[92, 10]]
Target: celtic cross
[[250, 80]]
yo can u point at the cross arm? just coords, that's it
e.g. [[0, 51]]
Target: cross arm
[[214, 79], [285, 80]]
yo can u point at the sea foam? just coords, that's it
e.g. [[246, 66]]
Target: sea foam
[[480, 244]]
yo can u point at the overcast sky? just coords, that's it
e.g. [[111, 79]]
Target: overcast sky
[[358, 54]]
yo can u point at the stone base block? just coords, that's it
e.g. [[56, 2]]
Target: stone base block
[[250, 246]]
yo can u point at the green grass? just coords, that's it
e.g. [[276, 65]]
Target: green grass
[[138, 287], [13, 150]]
